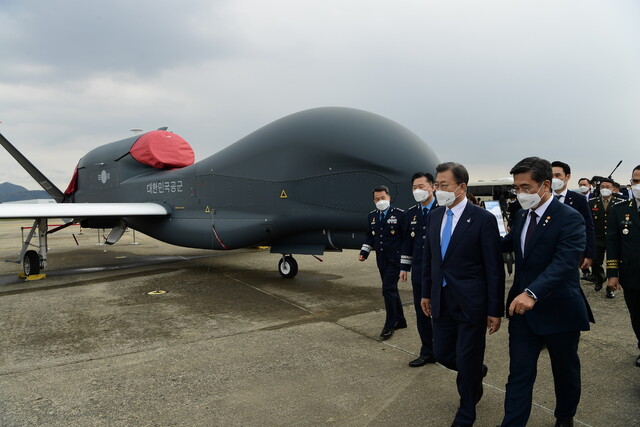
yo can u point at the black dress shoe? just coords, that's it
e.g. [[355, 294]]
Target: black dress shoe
[[610, 293], [638, 362], [597, 286], [422, 360], [564, 423], [386, 333], [400, 325]]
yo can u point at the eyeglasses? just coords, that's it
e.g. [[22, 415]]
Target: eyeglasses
[[444, 186], [524, 189]]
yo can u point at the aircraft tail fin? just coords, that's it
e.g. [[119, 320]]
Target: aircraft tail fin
[[44, 182]]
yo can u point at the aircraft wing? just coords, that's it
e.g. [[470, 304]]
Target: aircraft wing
[[80, 210]]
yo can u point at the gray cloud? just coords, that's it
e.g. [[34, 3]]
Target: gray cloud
[[63, 40], [484, 83]]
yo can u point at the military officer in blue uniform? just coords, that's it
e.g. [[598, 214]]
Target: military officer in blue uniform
[[384, 236], [411, 258]]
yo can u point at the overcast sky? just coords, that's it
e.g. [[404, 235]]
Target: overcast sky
[[484, 83]]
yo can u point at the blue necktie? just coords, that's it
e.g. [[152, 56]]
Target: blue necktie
[[446, 237]]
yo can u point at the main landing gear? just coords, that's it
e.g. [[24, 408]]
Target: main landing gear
[[288, 266], [31, 263], [34, 261]]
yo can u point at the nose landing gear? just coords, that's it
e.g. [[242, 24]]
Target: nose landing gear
[[288, 266]]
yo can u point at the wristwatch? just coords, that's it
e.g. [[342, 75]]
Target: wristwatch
[[531, 294]]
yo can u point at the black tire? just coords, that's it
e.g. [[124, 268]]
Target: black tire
[[288, 267], [31, 263]]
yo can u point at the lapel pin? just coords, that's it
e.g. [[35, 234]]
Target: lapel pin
[[469, 220]]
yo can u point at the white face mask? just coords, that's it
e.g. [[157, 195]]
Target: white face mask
[[382, 205], [420, 195], [557, 184], [605, 192], [446, 198], [529, 201], [583, 189], [635, 189]]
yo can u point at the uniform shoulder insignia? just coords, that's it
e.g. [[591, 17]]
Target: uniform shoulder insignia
[[413, 207], [373, 211], [398, 209], [619, 201]]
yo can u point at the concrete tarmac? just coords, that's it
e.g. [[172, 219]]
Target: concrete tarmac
[[231, 343]]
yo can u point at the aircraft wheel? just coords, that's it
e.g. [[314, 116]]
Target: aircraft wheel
[[31, 263], [288, 267]]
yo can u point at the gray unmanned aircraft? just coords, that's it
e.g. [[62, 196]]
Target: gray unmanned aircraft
[[301, 185]]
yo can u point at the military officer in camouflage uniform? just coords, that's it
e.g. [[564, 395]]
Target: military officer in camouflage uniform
[[623, 251], [385, 235], [411, 259], [600, 208]]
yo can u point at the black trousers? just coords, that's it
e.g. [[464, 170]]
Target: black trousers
[[390, 274], [524, 349], [459, 344], [425, 330], [632, 298], [596, 265]]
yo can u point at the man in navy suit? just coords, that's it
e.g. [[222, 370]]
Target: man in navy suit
[[463, 284], [561, 176], [546, 305]]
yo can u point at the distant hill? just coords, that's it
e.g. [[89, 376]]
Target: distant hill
[[12, 193]]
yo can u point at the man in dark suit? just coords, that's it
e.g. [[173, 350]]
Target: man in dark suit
[[463, 284], [411, 258], [385, 236], [561, 176], [584, 187], [546, 305], [623, 250]]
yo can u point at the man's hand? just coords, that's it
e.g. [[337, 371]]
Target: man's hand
[[614, 283], [403, 276], [493, 324], [521, 303], [425, 303], [586, 263], [361, 258]]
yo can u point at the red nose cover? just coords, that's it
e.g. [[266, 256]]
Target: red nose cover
[[73, 185], [162, 150]]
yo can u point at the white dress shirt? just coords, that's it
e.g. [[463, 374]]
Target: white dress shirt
[[562, 195], [457, 213]]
